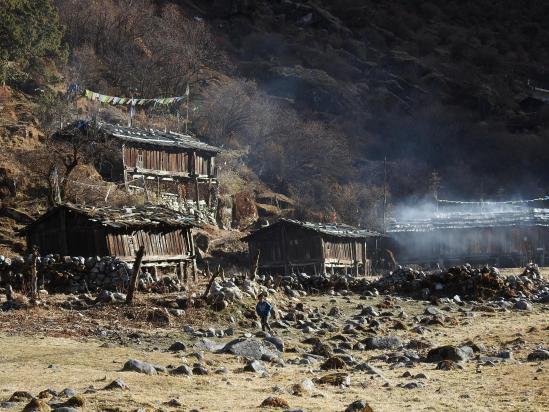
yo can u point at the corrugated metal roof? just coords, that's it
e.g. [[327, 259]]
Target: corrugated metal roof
[[330, 229], [463, 220]]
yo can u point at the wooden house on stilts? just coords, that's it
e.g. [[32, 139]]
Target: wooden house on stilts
[[171, 168], [71, 230], [290, 245]]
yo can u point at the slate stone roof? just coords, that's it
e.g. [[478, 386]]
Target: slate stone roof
[[153, 137], [156, 137], [330, 229], [463, 220], [125, 217]]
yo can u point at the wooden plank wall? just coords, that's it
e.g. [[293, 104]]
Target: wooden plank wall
[[339, 249], [303, 248], [46, 237], [270, 251], [157, 243], [202, 167], [181, 162], [157, 160]]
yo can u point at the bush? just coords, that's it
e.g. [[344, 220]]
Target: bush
[[29, 29]]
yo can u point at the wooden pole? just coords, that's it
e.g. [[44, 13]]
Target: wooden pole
[[255, 265], [195, 271], [210, 283], [135, 274], [34, 274]]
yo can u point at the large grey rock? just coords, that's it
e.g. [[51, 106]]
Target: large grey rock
[[359, 406], [277, 341], [117, 384], [135, 365], [177, 346], [449, 352], [382, 342], [251, 348], [182, 370], [523, 305], [209, 345], [369, 369], [256, 366], [431, 310]]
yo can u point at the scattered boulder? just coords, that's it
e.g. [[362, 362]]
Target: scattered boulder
[[334, 362], [359, 406], [382, 342], [182, 370], [200, 370], [276, 341], [159, 316], [74, 402], [177, 347], [335, 379], [117, 384], [135, 365], [36, 405], [68, 393], [448, 352], [302, 388], [448, 365], [413, 385], [275, 402], [46, 393], [251, 348], [369, 369], [20, 396], [256, 366], [523, 305], [539, 355], [209, 345]]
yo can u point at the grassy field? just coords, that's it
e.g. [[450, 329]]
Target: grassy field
[[33, 359]]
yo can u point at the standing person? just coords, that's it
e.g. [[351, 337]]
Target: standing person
[[263, 309]]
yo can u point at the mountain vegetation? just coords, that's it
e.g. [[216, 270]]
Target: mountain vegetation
[[311, 97]]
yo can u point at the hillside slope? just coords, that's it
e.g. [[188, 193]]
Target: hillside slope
[[431, 85]]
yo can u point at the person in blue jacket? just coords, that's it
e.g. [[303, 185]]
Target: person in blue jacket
[[263, 309]]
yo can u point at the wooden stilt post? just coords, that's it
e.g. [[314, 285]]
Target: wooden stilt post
[[210, 283], [195, 271], [135, 274], [34, 274], [180, 272], [185, 272], [197, 194], [255, 265]]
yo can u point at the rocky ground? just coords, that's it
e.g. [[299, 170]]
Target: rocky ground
[[327, 351]]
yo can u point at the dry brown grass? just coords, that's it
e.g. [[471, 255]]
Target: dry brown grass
[[79, 361]]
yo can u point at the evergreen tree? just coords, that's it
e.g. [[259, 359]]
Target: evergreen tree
[[29, 32]]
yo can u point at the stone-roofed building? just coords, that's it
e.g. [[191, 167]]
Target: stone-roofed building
[[294, 246], [504, 236], [70, 230], [170, 168]]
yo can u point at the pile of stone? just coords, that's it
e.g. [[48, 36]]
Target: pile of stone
[[297, 283], [223, 293], [466, 282], [66, 274]]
